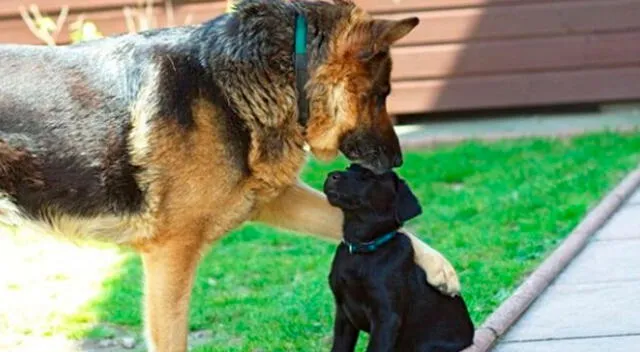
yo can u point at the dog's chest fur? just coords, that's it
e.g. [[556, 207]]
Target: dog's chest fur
[[357, 279]]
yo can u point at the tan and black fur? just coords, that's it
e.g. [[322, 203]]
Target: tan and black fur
[[168, 139]]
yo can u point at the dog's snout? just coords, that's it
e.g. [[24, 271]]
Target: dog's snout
[[332, 184]]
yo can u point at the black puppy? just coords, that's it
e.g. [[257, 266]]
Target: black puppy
[[377, 286]]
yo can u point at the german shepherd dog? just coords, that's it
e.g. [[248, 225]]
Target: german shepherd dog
[[376, 284], [168, 139]]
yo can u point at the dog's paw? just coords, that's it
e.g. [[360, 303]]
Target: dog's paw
[[440, 273]]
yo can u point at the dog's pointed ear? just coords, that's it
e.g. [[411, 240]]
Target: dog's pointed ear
[[407, 204], [390, 31], [384, 34]]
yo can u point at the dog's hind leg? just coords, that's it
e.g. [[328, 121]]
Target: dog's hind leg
[[169, 268], [303, 209]]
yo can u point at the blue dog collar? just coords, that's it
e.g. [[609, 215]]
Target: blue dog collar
[[372, 246], [301, 60]]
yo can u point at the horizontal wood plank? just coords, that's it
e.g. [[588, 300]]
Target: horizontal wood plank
[[463, 25], [15, 31], [201, 12], [516, 90], [10, 7], [386, 6], [498, 53], [113, 21], [549, 19], [581, 51]]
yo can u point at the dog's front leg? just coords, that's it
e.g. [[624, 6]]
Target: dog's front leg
[[384, 330], [169, 268], [440, 273], [345, 335], [303, 209]]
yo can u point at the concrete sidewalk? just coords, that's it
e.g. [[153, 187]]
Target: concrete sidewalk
[[594, 305], [427, 131]]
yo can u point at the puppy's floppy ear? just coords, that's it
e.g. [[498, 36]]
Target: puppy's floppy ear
[[406, 204]]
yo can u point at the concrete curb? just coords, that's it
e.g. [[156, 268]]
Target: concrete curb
[[432, 141], [510, 311]]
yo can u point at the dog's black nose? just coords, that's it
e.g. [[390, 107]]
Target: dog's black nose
[[397, 161]]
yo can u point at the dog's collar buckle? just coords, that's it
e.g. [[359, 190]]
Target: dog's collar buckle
[[371, 246]]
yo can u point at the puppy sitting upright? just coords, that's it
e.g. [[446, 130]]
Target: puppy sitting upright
[[377, 286]]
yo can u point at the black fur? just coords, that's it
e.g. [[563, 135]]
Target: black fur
[[63, 108], [384, 292], [65, 112]]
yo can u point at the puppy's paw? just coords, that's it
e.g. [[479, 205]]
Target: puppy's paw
[[440, 273]]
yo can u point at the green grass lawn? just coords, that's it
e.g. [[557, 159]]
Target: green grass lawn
[[494, 209]]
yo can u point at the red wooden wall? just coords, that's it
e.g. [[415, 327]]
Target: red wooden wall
[[466, 54]]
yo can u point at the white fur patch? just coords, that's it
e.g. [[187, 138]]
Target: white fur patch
[[140, 128], [142, 111], [338, 102], [103, 228]]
